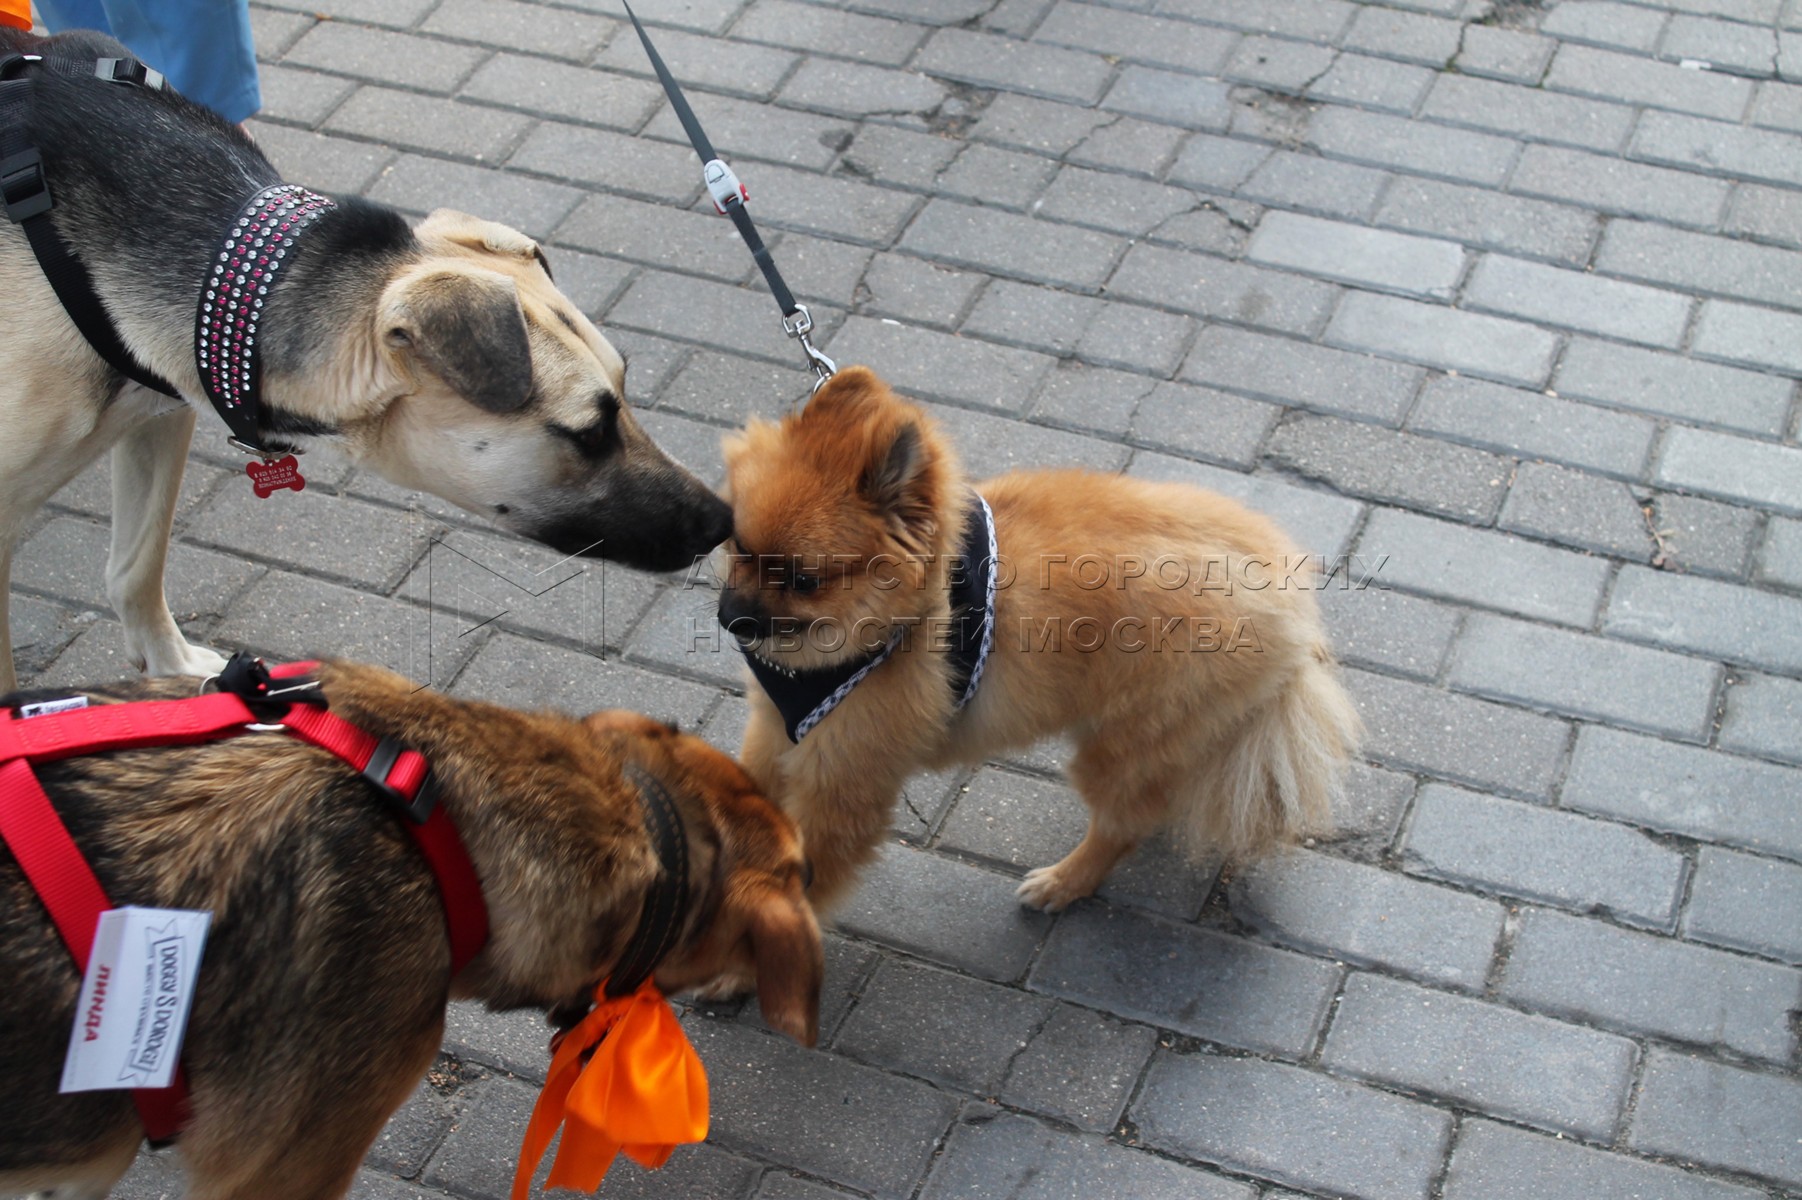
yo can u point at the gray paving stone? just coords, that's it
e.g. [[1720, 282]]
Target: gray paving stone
[[1310, 182], [1129, 145], [1190, 101], [1034, 317], [1748, 336], [1768, 213], [1605, 23], [1481, 218], [1497, 1162], [1411, 37], [1557, 858], [1420, 728], [1702, 535], [1635, 80], [40, 630], [559, 90], [847, 34], [1532, 424], [994, 1154], [1578, 300], [1370, 917], [1278, 64], [1450, 338], [1764, 717], [860, 90], [1038, 251], [398, 13], [303, 97], [1229, 291], [1391, 467], [1372, 805], [414, 1131], [1720, 1116], [523, 674], [1480, 1055], [1638, 983], [1217, 164], [837, 207], [1079, 1067], [848, 965], [1392, 631], [419, 184], [616, 162], [1724, 45], [951, 1030], [1577, 509], [1353, 254], [327, 163], [1667, 385], [1733, 467], [1700, 263], [1388, 141], [780, 1185], [1375, 83], [704, 61], [516, 1043], [1616, 186], [383, 56], [1318, 521], [430, 123], [924, 363], [1507, 54], [752, 129], [272, 32], [1291, 1125], [658, 235], [1717, 148], [307, 530], [1116, 203], [1287, 372], [1685, 790], [898, 904], [918, 292], [986, 60], [1779, 105], [1746, 903], [1780, 559], [1042, 126], [1078, 396], [1194, 981], [991, 445], [998, 178], [1132, 37], [1708, 616], [1485, 568], [767, 1092], [715, 314], [1137, 339], [518, 26], [1527, 112], [721, 387], [1202, 423]]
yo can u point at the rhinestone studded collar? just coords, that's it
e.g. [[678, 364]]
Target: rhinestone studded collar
[[232, 303]]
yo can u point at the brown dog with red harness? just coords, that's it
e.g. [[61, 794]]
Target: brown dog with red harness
[[329, 959]]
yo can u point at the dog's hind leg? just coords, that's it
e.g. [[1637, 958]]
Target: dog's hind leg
[[147, 470], [1127, 803]]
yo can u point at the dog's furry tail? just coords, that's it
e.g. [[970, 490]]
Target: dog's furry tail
[[1283, 772]]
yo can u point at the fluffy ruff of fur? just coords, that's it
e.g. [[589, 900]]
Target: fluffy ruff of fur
[[321, 996], [1215, 713]]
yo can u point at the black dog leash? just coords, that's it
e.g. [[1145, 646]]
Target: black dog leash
[[729, 197]]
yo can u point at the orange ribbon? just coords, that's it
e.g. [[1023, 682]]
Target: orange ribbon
[[16, 13], [643, 1091]]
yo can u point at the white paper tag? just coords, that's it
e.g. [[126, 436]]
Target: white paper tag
[[44, 708], [135, 999]]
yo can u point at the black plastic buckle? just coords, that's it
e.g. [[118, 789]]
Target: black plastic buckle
[[127, 70], [23, 188], [419, 808], [247, 678], [14, 62]]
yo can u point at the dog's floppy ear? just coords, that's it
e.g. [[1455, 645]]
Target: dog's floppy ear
[[466, 327], [785, 942]]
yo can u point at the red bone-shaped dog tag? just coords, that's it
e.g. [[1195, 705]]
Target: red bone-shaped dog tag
[[267, 478]]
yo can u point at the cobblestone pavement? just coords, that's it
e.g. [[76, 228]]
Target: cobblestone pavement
[[1505, 299]]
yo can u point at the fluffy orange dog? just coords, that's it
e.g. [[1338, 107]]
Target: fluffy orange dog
[[880, 643]]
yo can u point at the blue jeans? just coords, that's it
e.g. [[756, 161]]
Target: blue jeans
[[203, 46]]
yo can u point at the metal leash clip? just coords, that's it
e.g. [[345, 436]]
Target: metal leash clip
[[798, 327]]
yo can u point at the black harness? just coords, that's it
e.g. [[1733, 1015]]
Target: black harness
[[28, 201], [805, 698], [232, 297], [667, 901]]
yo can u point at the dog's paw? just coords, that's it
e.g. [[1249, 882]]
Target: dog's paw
[[1046, 890], [184, 660]]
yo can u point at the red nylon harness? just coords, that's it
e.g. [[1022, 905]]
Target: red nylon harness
[[67, 886]]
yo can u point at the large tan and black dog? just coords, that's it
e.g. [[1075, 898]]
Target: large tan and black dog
[[322, 988], [442, 357]]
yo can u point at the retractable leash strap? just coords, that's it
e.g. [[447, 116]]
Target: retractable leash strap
[[729, 198], [28, 203]]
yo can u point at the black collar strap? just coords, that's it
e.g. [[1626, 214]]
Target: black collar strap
[[28, 202], [805, 698], [667, 900], [231, 304]]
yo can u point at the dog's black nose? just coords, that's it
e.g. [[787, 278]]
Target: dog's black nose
[[744, 618], [712, 522]]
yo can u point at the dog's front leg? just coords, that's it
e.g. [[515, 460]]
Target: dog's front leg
[[147, 469]]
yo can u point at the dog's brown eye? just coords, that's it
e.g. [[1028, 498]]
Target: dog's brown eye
[[804, 584]]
